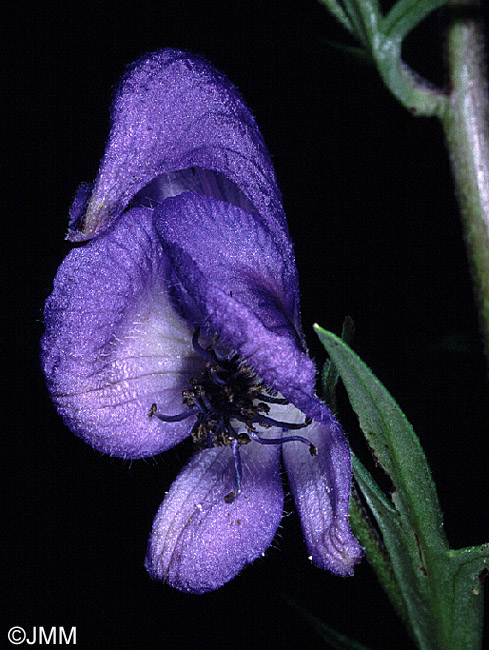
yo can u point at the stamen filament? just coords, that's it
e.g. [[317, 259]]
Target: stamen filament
[[173, 418], [216, 379], [203, 403], [229, 498], [280, 441], [207, 354], [228, 390], [263, 419]]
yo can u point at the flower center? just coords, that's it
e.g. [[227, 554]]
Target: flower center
[[229, 396]]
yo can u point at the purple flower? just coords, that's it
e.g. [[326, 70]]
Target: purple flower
[[181, 317]]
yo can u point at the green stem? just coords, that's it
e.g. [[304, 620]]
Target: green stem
[[467, 133]]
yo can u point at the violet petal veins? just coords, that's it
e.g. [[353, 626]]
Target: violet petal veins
[[181, 318], [199, 542]]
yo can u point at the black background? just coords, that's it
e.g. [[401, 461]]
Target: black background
[[371, 209]]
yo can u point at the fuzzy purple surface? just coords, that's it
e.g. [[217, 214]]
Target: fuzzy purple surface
[[171, 111], [105, 350], [207, 247]]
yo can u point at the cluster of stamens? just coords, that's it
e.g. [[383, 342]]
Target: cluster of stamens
[[226, 393]]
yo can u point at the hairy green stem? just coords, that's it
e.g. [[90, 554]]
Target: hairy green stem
[[467, 133]]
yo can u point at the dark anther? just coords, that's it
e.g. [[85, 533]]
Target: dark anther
[[229, 498]]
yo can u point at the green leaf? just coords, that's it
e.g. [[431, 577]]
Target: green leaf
[[473, 559], [365, 17], [333, 639], [382, 38], [406, 14], [363, 529], [338, 13], [360, 54], [436, 591], [388, 519], [408, 589], [411, 525], [391, 438], [330, 373], [468, 567]]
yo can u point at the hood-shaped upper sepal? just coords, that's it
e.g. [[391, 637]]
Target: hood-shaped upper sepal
[[173, 110]]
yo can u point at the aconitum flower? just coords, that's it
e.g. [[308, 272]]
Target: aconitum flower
[[181, 318]]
